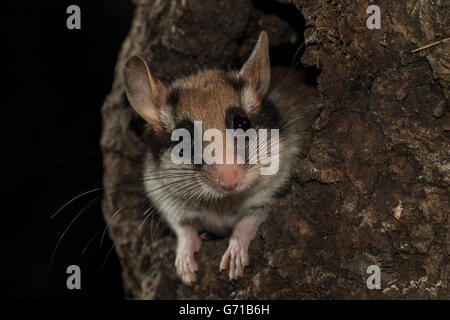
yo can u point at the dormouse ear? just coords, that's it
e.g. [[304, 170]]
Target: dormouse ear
[[256, 70], [147, 95]]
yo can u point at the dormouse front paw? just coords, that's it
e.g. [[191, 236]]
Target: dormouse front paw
[[237, 255], [188, 245]]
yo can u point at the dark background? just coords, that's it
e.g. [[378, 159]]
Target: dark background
[[56, 81]]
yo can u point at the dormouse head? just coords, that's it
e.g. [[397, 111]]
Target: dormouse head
[[217, 100]]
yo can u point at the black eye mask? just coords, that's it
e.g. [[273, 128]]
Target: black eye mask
[[236, 118], [267, 117]]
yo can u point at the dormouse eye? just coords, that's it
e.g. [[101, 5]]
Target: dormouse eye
[[241, 122]]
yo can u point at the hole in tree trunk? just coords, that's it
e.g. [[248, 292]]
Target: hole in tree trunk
[[292, 47]]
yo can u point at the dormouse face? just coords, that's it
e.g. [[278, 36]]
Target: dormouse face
[[217, 100]]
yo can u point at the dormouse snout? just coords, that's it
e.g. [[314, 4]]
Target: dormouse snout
[[228, 176]]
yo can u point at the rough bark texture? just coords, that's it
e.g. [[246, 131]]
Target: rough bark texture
[[374, 189]]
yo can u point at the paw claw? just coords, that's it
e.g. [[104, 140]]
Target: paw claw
[[236, 257]]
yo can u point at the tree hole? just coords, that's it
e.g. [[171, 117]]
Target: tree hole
[[289, 45]]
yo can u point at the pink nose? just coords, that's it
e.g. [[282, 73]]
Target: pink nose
[[228, 176]]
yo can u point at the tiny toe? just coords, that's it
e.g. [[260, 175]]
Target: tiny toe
[[193, 267], [239, 272], [232, 268], [186, 280], [224, 261], [188, 277], [244, 259], [179, 267]]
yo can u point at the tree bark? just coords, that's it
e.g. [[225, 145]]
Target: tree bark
[[374, 188]]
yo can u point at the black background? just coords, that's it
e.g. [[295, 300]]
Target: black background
[[55, 81]]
